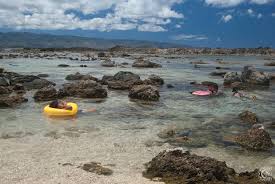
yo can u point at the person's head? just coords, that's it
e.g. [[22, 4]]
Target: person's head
[[54, 104], [213, 88]]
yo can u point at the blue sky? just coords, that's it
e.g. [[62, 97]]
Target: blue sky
[[202, 23]]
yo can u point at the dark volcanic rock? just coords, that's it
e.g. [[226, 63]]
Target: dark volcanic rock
[[78, 76], [255, 139], [12, 100], [97, 169], [2, 70], [63, 65], [141, 63], [122, 80], [83, 89], [249, 117], [182, 166], [144, 92], [178, 167], [126, 76], [46, 94]]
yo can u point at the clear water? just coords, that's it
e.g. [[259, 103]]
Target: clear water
[[120, 128]]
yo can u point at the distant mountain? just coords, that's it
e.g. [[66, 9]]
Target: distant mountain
[[33, 40]]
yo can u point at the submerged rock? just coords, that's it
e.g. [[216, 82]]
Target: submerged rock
[[249, 117], [11, 100], [178, 167], [38, 84], [97, 168], [78, 76], [144, 92], [63, 65], [141, 63], [46, 94], [255, 139]]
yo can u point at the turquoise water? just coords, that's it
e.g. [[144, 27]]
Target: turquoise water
[[132, 124]]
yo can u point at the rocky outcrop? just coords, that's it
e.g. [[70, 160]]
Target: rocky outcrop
[[253, 77], [231, 77], [144, 92], [249, 117], [141, 63], [108, 63], [249, 77], [176, 167], [11, 100], [255, 139], [83, 89], [121, 80], [46, 94], [78, 76]]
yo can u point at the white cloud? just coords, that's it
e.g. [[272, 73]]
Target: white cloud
[[177, 26], [259, 16], [250, 11], [230, 3], [150, 28], [189, 37], [123, 14], [226, 18], [273, 14]]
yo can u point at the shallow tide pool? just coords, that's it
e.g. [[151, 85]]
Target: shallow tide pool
[[122, 133]]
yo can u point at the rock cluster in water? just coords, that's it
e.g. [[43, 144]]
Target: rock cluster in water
[[178, 167], [14, 85], [142, 63], [249, 77]]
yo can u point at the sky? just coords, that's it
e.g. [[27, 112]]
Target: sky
[[199, 23]]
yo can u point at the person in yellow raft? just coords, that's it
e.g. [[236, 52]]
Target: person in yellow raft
[[60, 104]]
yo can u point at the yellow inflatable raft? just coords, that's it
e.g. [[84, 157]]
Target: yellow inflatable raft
[[61, 112]]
